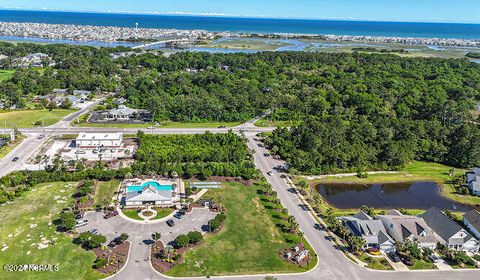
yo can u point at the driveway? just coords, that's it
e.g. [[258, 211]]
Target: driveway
[[138, 265]]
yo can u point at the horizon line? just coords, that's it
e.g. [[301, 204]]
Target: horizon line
[[223, 15]]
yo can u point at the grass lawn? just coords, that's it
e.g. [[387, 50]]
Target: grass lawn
[[26, 118], [162, 213], [26, 223], [247, 43], [421, 264], [5, 150], [249, 243], [132, 214], [6, 74], [161, 125], [376, 262], [416, 171], [105, 191]]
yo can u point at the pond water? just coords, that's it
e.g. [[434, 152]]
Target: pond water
[[417, 195]]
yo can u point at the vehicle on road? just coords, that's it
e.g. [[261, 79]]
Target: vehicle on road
[[222, 126], [15, 159], [41, 136], [266, 154], [318, 226], [269, 173], [394, 257], [171, 223]]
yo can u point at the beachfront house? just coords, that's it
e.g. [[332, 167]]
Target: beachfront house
[[372, 231], [448, 232], [471, 220], [473, 181], [402, 227]]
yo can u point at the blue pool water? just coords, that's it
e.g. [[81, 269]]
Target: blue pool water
[[151, 183]]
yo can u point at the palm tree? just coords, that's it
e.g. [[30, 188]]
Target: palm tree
[[343, 230]]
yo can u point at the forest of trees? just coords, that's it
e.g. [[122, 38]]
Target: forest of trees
[[201, 155], [356, 111]]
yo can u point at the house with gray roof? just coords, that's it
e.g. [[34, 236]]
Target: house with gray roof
[[121, 113], [473, 181], [448, 232], [372, 231], [402, 227], [148, 195], [471, 220]]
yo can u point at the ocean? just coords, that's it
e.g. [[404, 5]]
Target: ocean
[[252, 25]]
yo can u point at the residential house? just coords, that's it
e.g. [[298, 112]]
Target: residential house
[[402, 227], [449, 233], [473, 181], [120, 101], [472, 221], [60, 91], [372, 231]]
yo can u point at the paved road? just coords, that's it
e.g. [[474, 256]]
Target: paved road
[[332, 263], [138, 266]]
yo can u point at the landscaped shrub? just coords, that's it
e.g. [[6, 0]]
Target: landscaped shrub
[[99, 262], [89, 240], [216, 223], [182, 241], [195, 237], [66, 221]]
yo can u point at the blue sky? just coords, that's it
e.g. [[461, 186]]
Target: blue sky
[[390, 10]]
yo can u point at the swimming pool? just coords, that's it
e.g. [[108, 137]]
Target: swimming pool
[[155, 184]]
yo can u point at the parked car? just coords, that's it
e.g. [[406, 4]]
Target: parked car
[[94, 231], [110, 214], [434, 258], [171, 223], [266, 154], [394, 257], [41, 136], [15, 159], [178, 215], [222, 126], [81, 223], [80, 152], [318, 226], [116, 241]]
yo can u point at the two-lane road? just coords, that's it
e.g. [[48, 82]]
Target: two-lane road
[[332, 263]]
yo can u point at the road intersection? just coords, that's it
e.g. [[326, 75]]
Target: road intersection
[[332, 263]]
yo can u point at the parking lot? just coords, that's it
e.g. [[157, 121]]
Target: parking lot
[[113, 227]]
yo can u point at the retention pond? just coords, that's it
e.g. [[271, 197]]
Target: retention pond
[[416, 195]]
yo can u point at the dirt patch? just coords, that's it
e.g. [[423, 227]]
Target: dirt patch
[[116, 257]]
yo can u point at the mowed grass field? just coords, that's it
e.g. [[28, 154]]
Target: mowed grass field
[[27, 118], [27, 236], [105, 192], [249, 243]]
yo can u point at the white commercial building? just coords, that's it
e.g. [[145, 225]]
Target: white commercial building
[[94, 140]]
